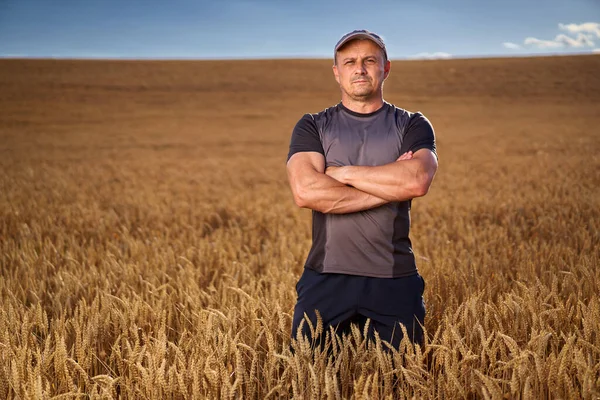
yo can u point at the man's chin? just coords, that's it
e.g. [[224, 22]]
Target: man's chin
[[362, 95]]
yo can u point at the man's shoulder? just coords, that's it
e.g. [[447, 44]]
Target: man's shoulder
[[316, 122], [402, 112], [320, 119], [406, 118], [326, 113]]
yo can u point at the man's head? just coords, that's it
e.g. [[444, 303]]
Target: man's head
[[361, 66], [359, 34]]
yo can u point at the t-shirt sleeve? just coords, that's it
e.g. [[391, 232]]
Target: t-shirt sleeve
[[305, 137], [419, 135]]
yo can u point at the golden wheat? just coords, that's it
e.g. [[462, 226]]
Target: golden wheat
[[149, 246]]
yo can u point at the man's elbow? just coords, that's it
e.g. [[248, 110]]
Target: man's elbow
[[300, 201], [299, 197], [420, 187], [302, 198], [423, 180]]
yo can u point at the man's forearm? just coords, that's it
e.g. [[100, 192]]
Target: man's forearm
[[397, 181], [394, 182], [328, 195]]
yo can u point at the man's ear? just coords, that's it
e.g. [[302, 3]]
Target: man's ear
[[386, 69], [336, 73]]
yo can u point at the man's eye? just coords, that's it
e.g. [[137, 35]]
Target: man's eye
[[349, 62]]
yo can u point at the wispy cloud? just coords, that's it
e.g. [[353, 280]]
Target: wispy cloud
[[511, 45], [542, 44], [586, 27], [431, 56], [581, 40], [576, 36]]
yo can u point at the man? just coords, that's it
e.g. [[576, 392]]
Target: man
[[357, 165]]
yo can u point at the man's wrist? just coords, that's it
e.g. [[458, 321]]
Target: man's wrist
[[348, 175]]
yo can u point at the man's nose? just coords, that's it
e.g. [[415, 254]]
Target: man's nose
[[360, 69]]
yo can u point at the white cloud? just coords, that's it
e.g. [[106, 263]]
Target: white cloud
[[596, 50], [586, 27], [431, 56], [576, 36], [542, 44], [510, 45], [582, 40]]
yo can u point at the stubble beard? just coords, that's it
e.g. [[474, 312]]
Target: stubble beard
[[363, 93]]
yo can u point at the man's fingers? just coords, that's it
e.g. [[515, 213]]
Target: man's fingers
[[406, 156], [335, 173]]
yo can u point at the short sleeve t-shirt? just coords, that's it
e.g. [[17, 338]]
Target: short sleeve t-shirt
[[372, 242]]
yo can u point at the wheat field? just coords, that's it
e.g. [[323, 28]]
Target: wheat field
[[149, 244]]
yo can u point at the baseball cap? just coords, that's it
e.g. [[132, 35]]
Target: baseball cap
[[360, 34]]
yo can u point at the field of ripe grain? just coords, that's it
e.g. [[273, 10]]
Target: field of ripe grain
[[149, 244]]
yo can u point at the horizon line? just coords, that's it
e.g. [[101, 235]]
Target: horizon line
[[287, 58]]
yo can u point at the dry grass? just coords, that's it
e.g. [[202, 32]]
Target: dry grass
[[149, 246]]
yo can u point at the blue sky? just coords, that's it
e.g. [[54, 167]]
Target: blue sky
[[285, 29]]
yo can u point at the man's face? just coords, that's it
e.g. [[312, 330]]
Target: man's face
[[360, 69]]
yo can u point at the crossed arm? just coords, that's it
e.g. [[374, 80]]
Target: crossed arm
[[341, 190]]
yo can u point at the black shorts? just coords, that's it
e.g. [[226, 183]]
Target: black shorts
[[346, 299]]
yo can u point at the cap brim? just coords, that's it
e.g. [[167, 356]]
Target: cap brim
[[358, 35]]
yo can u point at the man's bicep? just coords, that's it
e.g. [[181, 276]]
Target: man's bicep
[[304, 169], [428, 161], [306, 162]]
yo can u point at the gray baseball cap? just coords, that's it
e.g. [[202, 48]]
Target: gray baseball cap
[[360, 34]]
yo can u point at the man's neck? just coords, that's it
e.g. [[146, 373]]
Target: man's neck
[[362, 107]]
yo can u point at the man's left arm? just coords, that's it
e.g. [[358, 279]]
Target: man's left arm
[[397, 181], [408, 177]]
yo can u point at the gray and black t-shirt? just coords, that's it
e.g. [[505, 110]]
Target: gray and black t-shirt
[[373, 242]]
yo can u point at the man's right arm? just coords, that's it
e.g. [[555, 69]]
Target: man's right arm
[[315, 190]]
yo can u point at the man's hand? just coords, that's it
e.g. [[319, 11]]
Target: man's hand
[[406, 156], [339, 173], [336, 173]]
